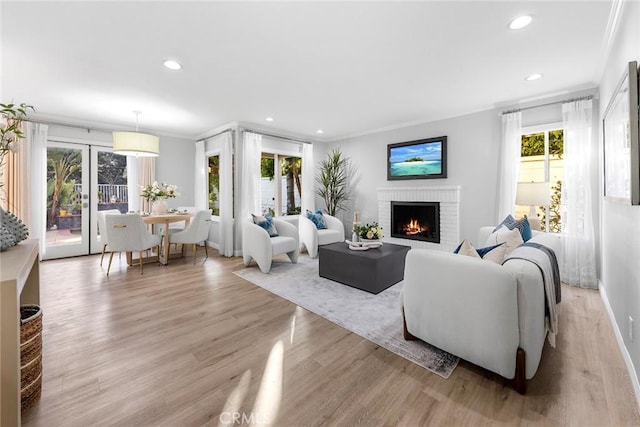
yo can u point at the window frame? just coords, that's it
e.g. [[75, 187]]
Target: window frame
[[543, 128]]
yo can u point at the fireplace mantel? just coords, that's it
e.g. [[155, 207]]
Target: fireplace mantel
[[449, 198]]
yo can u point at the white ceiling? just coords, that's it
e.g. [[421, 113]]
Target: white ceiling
[[345, 67]]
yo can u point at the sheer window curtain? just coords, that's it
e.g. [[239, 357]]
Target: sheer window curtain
[[146, 174], [226, 194], [200, 190], [510, 163], [250, 196], [308, 178], [578, 235], [25, 181]]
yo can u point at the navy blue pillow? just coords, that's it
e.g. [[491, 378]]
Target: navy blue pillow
[[522, 225], [317, 218], [266, 222]]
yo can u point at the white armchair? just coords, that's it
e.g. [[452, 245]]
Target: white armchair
[[257, 244], [196, 232], [311, 237], [102, 228], [128, 233]]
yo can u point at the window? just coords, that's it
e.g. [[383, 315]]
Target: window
[[214, 184], [280, 186], [541, 161]]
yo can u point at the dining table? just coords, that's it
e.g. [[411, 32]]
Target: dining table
[[165, 219]]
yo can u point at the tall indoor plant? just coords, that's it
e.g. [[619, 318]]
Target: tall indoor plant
[[332, 181]]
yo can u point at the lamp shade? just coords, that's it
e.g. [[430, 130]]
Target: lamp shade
[[135, 144], [533, 194]]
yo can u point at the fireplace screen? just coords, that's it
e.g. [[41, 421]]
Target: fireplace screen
[[416, 221]]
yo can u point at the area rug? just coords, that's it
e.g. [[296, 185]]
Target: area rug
[[377, 318]]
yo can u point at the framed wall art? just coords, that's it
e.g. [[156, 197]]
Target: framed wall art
[[620, 136]]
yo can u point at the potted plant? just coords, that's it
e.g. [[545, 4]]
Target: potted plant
[[332, 180]]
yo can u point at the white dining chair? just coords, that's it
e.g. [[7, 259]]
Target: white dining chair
[[102, 228], [196, 232], [129, 233]]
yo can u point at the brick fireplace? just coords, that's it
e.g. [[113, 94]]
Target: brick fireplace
[[447, 200]]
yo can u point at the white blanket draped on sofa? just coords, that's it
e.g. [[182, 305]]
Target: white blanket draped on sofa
[[545, 259]]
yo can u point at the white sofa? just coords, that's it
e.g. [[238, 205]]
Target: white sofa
[[257, 244], [311, 237], [489, 314]]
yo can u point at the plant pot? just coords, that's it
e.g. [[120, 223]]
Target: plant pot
[[160, 207]]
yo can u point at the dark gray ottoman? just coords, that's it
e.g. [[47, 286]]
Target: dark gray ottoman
[[372, 271]]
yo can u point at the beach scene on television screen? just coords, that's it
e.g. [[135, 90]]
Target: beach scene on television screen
[[420, 159]]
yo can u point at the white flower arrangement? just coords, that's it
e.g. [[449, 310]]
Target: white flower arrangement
[[157, 191], [369, 231]]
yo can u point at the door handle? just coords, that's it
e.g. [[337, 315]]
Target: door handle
[[85, 205]]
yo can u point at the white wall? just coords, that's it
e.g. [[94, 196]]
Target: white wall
[[620, 230], [175, 165], [473, 143]]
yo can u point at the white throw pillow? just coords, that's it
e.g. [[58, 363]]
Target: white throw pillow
[[496, 254], [467, 249], [511, 238]]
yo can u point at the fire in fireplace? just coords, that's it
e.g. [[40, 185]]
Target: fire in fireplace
[[416, 221]]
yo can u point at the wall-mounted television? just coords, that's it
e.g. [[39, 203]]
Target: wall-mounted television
[[421, 159]]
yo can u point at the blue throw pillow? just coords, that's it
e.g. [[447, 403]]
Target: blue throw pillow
[[522, 225], [317, 218], [266, 222]]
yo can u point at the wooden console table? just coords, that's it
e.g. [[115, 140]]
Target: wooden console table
[[19, 284]]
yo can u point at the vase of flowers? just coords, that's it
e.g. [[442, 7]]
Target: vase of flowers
[[368, 231], [157, 193]]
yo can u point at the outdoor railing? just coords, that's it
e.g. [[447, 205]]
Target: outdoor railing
[[108, 193]]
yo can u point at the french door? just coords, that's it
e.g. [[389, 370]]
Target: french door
[[67, 210], [81, 180]]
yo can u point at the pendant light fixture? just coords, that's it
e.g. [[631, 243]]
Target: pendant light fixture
[[136, 143]]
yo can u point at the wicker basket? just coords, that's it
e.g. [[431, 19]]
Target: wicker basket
[[30, 354]]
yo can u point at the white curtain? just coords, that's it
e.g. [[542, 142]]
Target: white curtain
[[510, 163], [578, 236], [308, 178], [141, 171], [200, 191], [226, 194], [250, 195], [35, 180], [133, 189]]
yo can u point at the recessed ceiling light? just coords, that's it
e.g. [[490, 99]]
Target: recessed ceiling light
[[172, 65], [269, 119], [533, 77], [319, 131], [520, 22]]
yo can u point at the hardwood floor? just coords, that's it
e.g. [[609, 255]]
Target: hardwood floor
[[187, 345]]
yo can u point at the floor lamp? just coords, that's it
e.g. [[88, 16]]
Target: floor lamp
[[533, 194]]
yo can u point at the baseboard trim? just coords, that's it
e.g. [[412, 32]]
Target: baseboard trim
[[623, 349]]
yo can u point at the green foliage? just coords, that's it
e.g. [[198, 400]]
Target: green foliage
[[332, 181], [533, 144], [214, 183], [62, 164], [414, 159], [267, 168], [291, 168]]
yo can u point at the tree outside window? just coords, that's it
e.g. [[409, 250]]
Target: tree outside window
[[214, 184]]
